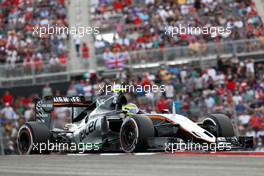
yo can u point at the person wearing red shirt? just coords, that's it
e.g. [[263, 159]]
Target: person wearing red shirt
[[7, 98], [220, 90], [25, 101], [5, 3], [145, 81], [231, 84], [183, 36], [137, 20], [140, 39], [117, 5], [38, 64], [85, 51], [63, 59], [28, 16], [15, 3], [116, 46], [128, 2], [162, 104], [254, 121], [62, 2]]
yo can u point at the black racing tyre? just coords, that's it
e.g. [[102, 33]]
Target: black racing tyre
[[134, 133], [221, 125], [30, 136]]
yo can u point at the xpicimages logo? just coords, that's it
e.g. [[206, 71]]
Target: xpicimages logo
[[58, 147], [213, 31], [190, 146], [126, 88], [48, 30]]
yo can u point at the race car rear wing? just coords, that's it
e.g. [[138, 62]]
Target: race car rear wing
[[75, 101], [45, 106]]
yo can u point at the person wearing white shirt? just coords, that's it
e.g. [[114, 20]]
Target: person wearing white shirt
[[211, 72], [183, 75], [238, 24], [237, 98], [9, 112], [205, 77], [250, 68], [149, 2], [209, 102], [244, 119], [99, 44], [220, 78], [169, 89], [108, 54]]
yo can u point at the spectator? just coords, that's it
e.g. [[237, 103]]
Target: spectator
[[244, 120], [72, 91], [9, 112], [162, 105], [77, 43], [250, 69], [18, 42], [209, 102], [85, 51], [169, 91], [7, 98], [231, 84], [47, 91], [151, 17]]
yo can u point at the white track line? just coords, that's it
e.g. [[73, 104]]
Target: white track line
[[77, 154], [145, 154], [110, 154]]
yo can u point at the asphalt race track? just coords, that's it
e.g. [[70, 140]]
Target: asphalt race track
[[128, 164]]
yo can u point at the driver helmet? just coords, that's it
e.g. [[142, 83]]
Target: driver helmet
[[130, 109]]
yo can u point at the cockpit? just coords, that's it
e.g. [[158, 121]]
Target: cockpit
[[111, 101]]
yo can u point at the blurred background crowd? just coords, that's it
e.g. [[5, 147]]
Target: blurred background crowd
[[17, 41], [232, 87], [138, 25], [142, 26]]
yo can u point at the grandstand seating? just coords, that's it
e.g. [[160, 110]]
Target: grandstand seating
[[140, 25], [19, 45]]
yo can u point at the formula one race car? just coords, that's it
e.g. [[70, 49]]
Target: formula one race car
[[112, 124]]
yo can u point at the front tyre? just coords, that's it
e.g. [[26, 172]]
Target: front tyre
[[134, 133], [220, 125]]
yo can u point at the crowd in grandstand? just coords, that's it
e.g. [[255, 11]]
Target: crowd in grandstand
[[138, 24], [233, 87], [142, 24], [144, 20], [19, 44]]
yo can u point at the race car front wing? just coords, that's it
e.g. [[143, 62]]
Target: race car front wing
[[172, 144]]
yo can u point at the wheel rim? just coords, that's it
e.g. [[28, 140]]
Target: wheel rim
[[128, 137], [24, 141], [212, 128]]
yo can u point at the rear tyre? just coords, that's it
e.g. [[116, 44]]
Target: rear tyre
[[30, 136], [134, 133], [220, 125]]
